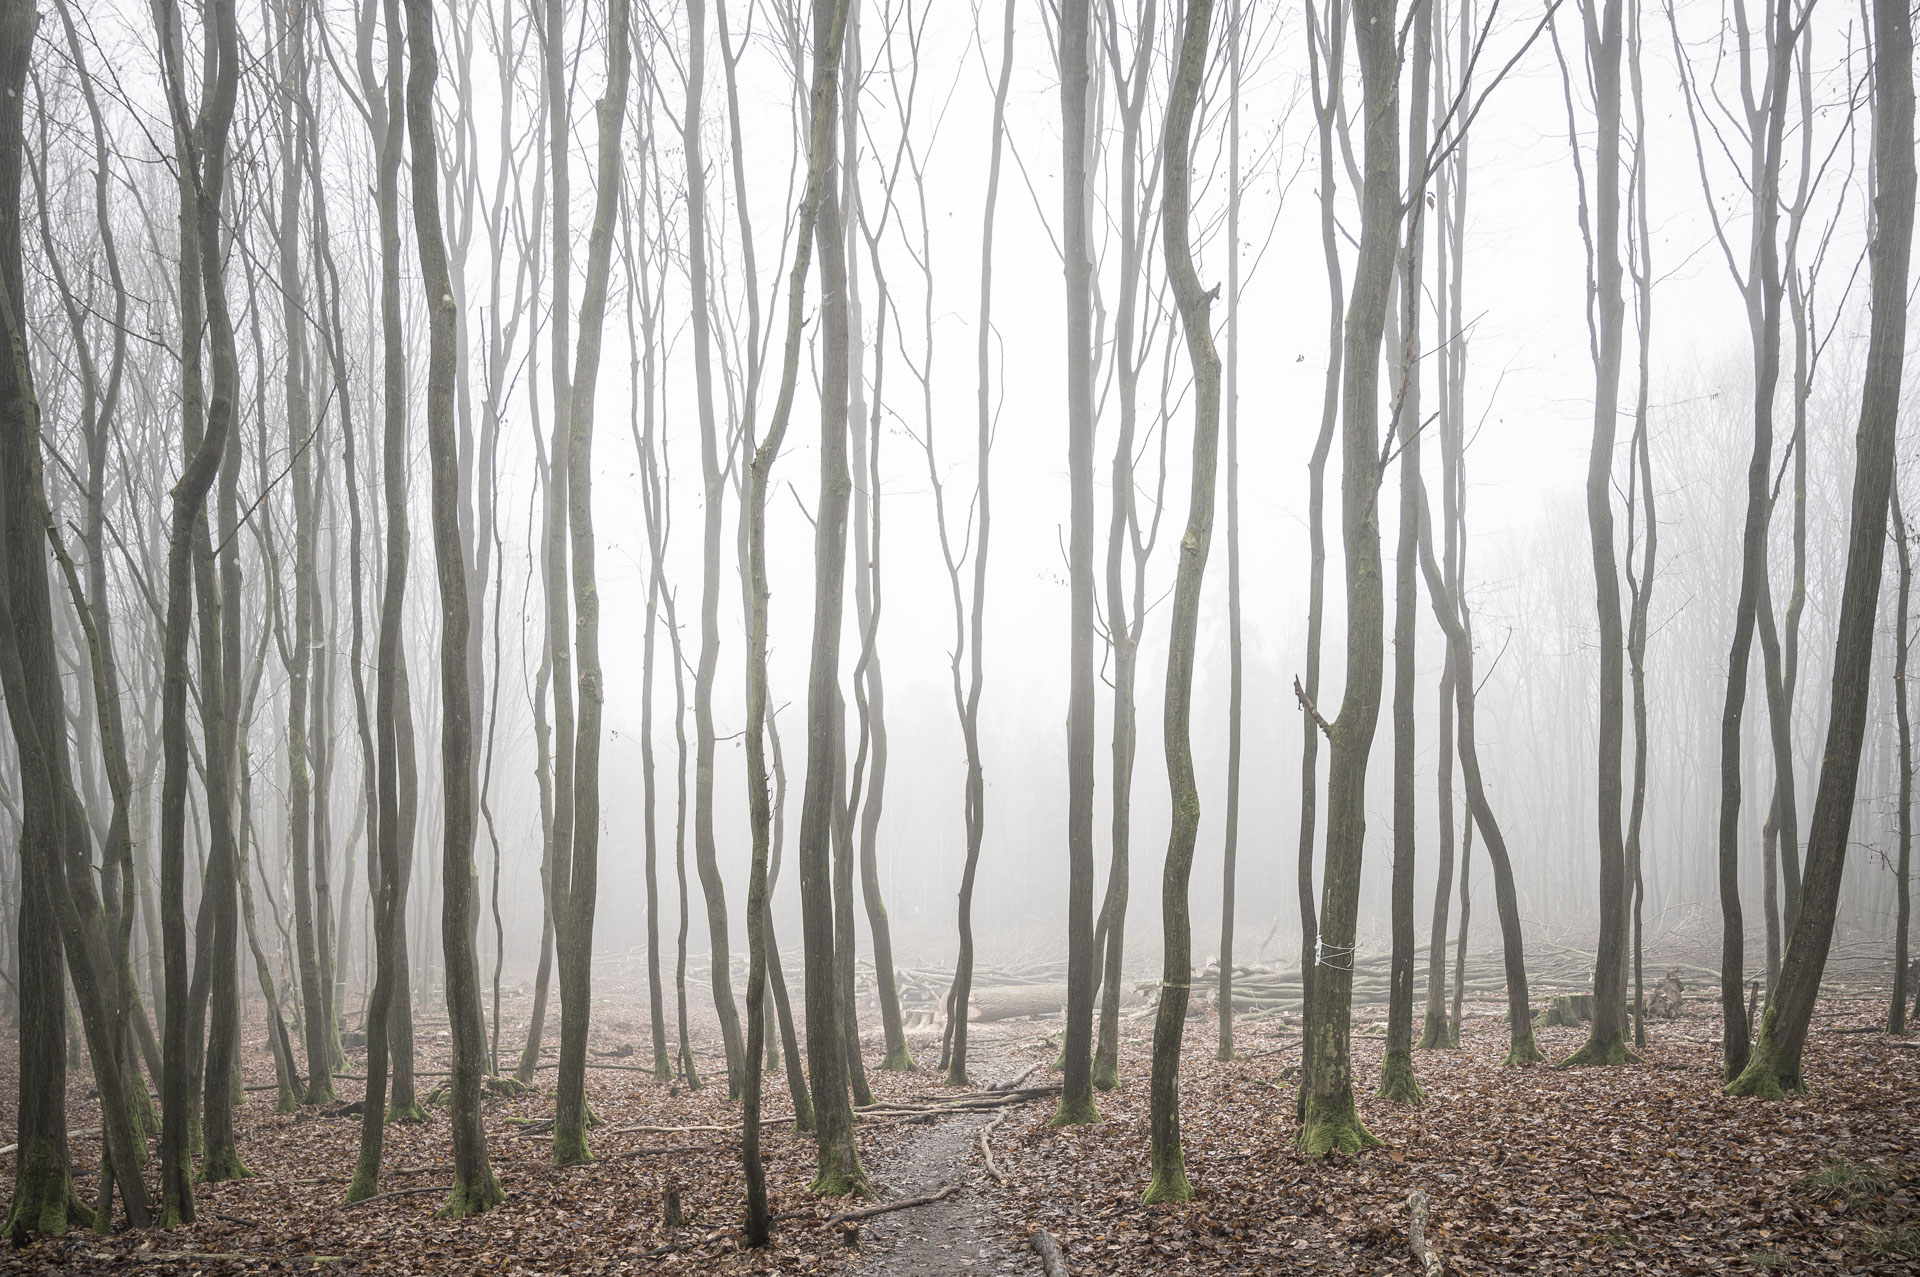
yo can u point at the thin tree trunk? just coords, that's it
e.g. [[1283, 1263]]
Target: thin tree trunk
[[474, 1186], [576, 886], [44, 1201], [969, 624], [1230, 840], [839, 1162], [714, 498], [1329, 1118], [387, 1003], [1397, 1081], [818, 191], [1640, 589], [1168, 1160], [1076, 1096], [1325, 42], [1122, 532], [1774, 1066], [1606, 1040], [1903, 818]]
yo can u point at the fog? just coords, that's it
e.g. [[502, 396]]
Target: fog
[[925, 97]]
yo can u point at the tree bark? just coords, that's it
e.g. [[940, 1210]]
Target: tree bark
[[1903, 817], [839, 1162], [474, 1186], [1774, 1066], [1168, 1161], [714, 498], [1606, 1041], [1076, 1095], [1397, 1081], [1329, 1118]]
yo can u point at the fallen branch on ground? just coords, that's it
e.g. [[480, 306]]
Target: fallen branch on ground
[[868, 1212], [986, 1150], [1049, 1251]]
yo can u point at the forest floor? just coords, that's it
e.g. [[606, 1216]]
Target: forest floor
[[1645, 1168]]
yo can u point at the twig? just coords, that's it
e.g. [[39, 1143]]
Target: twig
[[404, 1192], [237, 1219], [655, 1152], [1306, 703]]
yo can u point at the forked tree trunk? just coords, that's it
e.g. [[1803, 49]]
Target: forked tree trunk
[[839, 1161], [761, 952], [474, 1186], [1774, 1066], [713, 500], [1123, 534], [1640, 588], [387, 1002], [576, 884], [1450, 610], [1329, 1118], [44, 1201]]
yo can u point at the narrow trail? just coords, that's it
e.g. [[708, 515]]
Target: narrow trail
[[954, 1236]]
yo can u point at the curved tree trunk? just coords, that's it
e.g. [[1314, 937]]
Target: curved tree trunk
[[714, 498], [1169, 1182], [1775, 1062], [1329, 1118], [474, 1186]]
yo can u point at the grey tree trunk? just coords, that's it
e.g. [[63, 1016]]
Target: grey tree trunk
[[1903, 816], [1397, 1081], [474, 1186], [761, 952], [1236, 680], [575, 888], [1327, 83], [1329, 1118], [1603, 25], [969, 624], [1774, 1066], [839, 1161], [1168, 1161], [1123, 534], [1076, 1095], [714, 499]]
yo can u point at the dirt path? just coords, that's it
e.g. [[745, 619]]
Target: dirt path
[[949, 1238]]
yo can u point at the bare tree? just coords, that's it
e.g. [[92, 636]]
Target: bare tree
[[1773, 1066], [1076, 1096], [1169, 1182], [474, 1186], [1328, 1117], [714, 486], [839, 1162], [969, 623], [1397, 1081], [1603, 23], [1764, 99], [1903, 816]]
